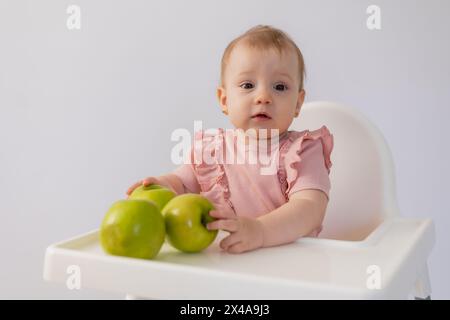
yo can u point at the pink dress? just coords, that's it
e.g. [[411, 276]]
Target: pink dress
[[301, 160]]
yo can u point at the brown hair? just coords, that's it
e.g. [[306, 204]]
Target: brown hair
[[264, 37]]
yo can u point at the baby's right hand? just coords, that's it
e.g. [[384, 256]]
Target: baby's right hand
[[144, 182]]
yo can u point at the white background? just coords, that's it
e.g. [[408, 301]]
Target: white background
[[85, 113]]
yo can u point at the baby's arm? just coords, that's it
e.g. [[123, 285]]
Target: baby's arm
[[297, 218], [181, 180], [301, 215], [174, 182]]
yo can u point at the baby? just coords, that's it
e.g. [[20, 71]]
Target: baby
[[261, 87]]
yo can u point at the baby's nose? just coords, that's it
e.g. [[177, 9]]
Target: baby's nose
[[263, 99]]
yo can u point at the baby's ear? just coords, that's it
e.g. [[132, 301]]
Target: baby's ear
[[222, 97], [300, 100], [301, 97]]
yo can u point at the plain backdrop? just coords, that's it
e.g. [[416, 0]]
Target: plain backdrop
[[85, 113]]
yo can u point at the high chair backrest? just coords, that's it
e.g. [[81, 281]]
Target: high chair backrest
[[362, 175]]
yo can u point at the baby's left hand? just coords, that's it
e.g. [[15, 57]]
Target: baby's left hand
[[246, 233]]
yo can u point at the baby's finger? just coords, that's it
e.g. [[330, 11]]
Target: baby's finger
[[230, 240], [149, 181], [236, 248], [229, 225], [217, 214], [134, 186]]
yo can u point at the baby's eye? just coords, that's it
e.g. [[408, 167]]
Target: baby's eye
[[280, 87], [246, 85]]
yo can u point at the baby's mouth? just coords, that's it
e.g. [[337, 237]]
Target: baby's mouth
[[261, 116]]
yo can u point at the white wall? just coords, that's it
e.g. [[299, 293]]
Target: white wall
[[83, 114]]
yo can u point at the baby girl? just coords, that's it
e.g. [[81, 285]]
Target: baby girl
[[261, 90]]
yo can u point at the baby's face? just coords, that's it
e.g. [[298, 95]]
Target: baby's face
[[261, 82]]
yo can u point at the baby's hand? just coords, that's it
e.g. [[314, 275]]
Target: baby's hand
[[246, 233], [144, 182]]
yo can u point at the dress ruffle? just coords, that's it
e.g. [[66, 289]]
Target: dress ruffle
[[211, 176], [290, 155]]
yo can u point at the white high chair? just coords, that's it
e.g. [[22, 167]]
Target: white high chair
[[365, 251]]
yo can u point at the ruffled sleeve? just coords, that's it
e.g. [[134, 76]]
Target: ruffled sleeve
[[306, 160]]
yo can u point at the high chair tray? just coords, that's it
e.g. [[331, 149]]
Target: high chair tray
[[310, 268]]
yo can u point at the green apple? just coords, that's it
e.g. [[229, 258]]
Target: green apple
[[153, 192], [133, 228], [186, 217]]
